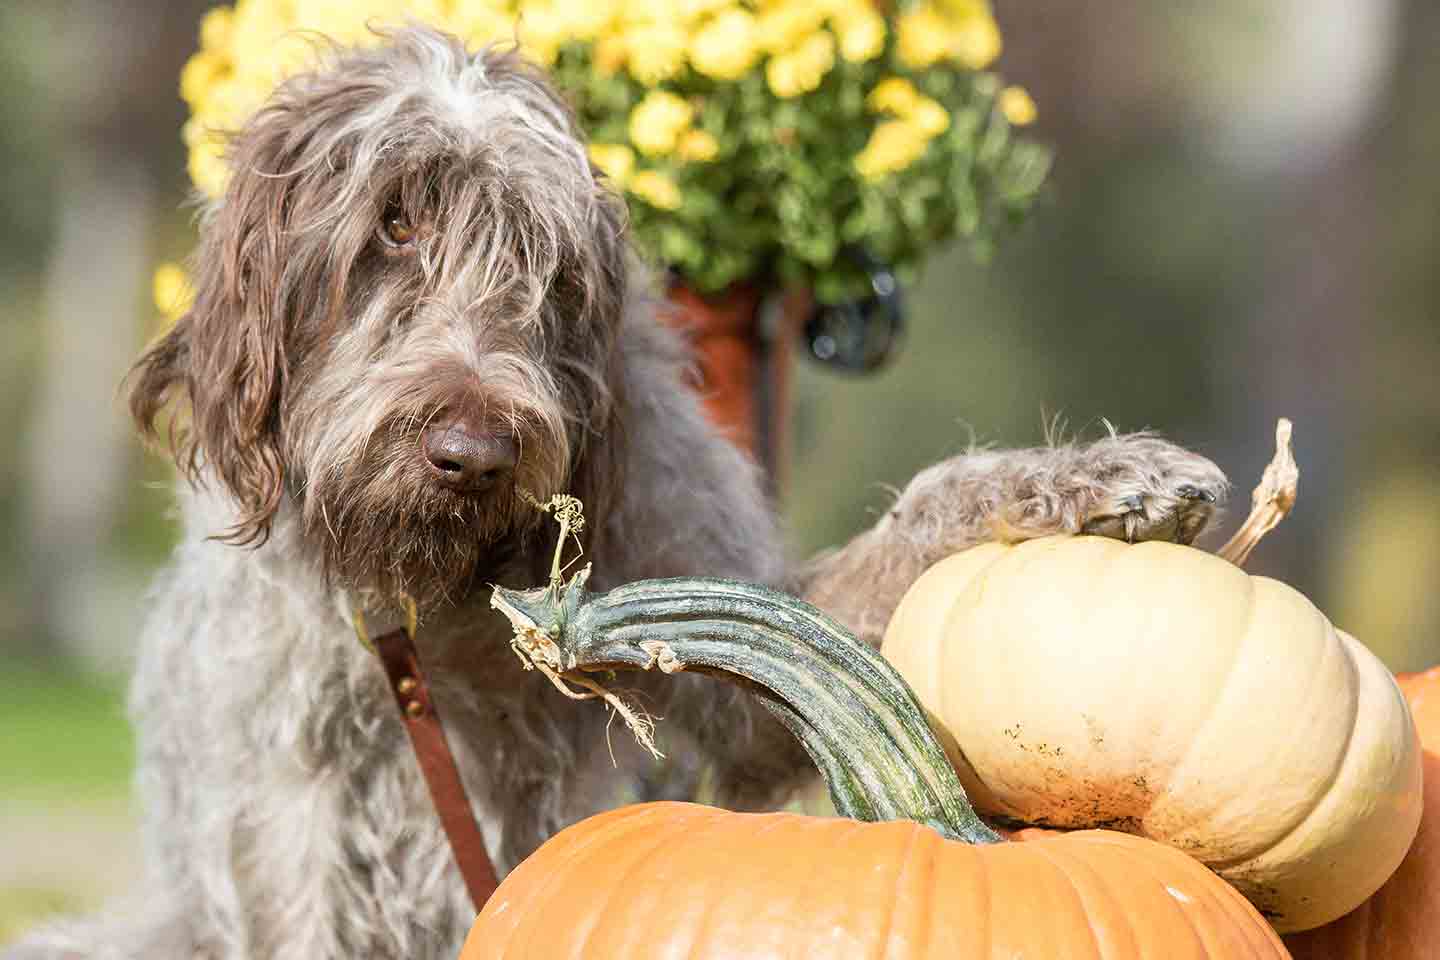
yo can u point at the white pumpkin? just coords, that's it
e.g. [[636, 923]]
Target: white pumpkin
[[1160, 690]]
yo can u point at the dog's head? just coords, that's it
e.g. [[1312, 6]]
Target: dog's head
[[407, 306]]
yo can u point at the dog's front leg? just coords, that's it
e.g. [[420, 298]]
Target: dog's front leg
[[1134, 487], [348, 861]]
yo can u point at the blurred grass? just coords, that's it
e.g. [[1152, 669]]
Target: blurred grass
[[66, 752], [66, 736], [23, 907]]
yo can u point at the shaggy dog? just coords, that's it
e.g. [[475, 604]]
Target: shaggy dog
[[415, 298]]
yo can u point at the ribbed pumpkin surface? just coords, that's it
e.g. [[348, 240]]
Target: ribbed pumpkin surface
[[677, 880], [1081, 682], [1402, 920]]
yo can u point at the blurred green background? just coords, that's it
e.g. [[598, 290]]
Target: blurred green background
[[1244, 223]]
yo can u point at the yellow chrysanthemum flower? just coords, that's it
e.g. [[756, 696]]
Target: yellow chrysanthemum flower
[[802, 69], [976, 42], [646, 11], [245, 50], [1017, 106], [199, 76], [206, 166], [350, 21], [656, 189], [726, 47], [926, 119], [958, 10], [477, 22], [610, 54], [172, 290], [215, 29], [615, 160], [698, 146], [692, 10], [542, 31], [655, 51], [929, 117], [585, 19], [893, 146], [784, 26], [657, 122], [893, 95], [862, 35], [922, 37]]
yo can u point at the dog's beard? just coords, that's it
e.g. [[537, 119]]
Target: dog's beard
[[386, 528]]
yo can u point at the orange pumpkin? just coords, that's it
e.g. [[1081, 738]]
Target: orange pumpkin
[[666, 880], [1402, 920]]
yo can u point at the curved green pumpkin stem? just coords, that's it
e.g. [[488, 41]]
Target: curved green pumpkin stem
[[856, 717]]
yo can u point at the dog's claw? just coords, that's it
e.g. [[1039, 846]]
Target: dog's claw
[[1135, 518], [1191, 492]]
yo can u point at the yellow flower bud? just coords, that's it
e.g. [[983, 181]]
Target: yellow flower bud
[[656, 51], [692, 10], [172, 291], [615, 160], [647, 11], [725, 48], [802, 69], [894, 95], [207, 169], [784, 26], [541, 33], [958, 10], [929, 117], [610, 53], [862, 36], [697, 145], [477, 23], [584, 19], [199, 75], [656, 189], [657, 122], [976, 42], [893, 146], [1017, 106], [923, 37], [215, 30]]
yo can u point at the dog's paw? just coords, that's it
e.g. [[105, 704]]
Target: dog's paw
[[1179, 518], [1153, 490]]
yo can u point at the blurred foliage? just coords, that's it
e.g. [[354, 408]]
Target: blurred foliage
[[27, 144]]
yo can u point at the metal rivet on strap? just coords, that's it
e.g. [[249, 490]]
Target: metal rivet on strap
[[407, 685], [414, 709]]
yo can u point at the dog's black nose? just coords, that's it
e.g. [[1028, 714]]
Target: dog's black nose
[[465, 459]]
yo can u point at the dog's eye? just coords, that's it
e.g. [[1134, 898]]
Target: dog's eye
[[395, 230]]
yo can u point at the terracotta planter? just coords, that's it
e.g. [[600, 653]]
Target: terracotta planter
[[744, 343]]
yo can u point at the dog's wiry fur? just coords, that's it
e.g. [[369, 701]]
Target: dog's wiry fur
[[1136, 487], [284, 813]]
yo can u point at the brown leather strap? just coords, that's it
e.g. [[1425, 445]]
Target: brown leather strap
[[437, 763]]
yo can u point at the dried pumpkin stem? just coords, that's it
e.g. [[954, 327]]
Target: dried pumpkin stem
[[1271, 502], [850, 709], [537, 652]]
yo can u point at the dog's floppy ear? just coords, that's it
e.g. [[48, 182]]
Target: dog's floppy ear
[[220, 372]]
